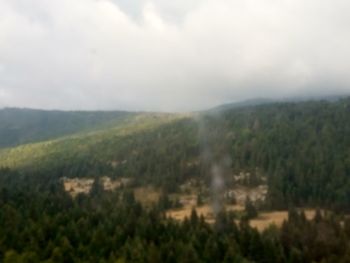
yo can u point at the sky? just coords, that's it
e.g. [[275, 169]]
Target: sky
[[163, 55]]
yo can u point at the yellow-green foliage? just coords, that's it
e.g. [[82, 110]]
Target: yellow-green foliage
[[65, 148]]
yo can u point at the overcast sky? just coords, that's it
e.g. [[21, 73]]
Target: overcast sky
[[171, 55]]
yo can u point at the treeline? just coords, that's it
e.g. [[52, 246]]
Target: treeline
[[303, 148], [48, 226]]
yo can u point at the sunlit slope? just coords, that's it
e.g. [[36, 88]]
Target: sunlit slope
[[140, 141], [20, 126]]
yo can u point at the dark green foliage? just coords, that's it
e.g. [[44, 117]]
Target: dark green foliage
[[250, 210], [302, 148], [200, 199], [48, 226]]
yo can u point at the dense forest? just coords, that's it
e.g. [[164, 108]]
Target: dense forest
[[41, 223], [302, 148]]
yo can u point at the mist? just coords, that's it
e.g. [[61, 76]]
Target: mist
[[156, 55]]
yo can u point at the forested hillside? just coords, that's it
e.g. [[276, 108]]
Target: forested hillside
[[302, 148], [19, 126], [140, 141], [299, 151]]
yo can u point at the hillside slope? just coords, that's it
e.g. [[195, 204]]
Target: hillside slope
[[19, 126], [302, 148], [134, 147]]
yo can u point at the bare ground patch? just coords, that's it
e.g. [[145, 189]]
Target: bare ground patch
[[75, 186], [276, 218], [147, 195], [110, 185], [261, 223], [189, 202]]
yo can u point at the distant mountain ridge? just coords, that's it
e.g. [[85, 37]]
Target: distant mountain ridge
[[20, 126], [263, 101], [241, 104]]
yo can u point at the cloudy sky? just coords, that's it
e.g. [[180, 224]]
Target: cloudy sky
[[171, 55]]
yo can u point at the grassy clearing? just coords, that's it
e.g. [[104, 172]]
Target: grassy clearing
[[206, 210], [276, 218], [262, 222], [182, 213], [147, 195]]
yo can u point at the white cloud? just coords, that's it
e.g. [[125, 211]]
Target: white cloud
[[178, 55]]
